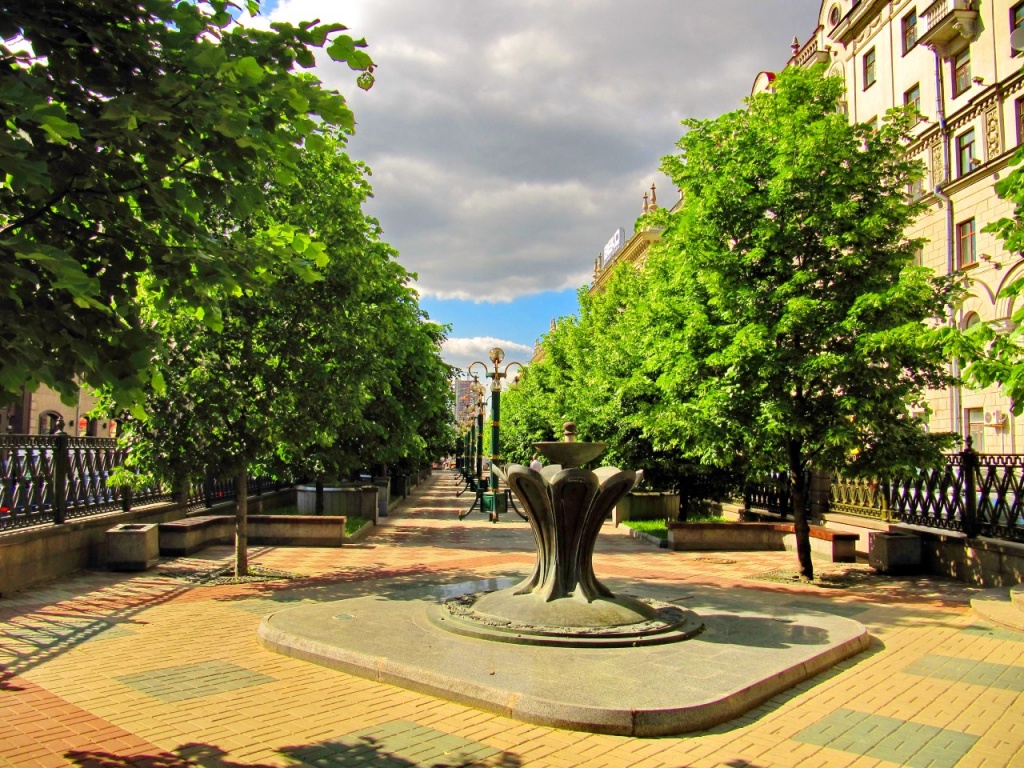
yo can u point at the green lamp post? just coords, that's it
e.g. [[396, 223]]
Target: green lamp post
[[497, 356]]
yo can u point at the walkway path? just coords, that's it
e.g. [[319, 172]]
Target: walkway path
[[151, 670]]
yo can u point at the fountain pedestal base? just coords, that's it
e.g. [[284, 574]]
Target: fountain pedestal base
[[566, 622]]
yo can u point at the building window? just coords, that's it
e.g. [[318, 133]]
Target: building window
[[869, 69], [919, 255], [1018, 114], [912, 97], [966, 244], [962, 72], [909, 32], [1016, 22], [50, 422], [833, 15], [975, 418], [965, 160], [915, 192]]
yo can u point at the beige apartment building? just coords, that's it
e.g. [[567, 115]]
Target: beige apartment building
[[954, 61]]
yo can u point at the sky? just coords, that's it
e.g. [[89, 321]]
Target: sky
[[509, 139]]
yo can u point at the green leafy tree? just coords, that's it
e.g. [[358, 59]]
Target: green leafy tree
[[788, 326], [137, 133], [294, 377]]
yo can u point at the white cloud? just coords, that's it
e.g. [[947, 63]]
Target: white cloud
[[462, 352], [509, 139]]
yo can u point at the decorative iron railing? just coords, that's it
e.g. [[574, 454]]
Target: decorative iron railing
[[48, 479], [935, 498], [863, 497], [972, 493], [1000, 490]]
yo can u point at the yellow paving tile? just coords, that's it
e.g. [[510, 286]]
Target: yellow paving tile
[[305, 705]]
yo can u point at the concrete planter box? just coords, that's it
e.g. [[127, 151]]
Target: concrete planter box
[[133, 546], [185, 537], [894, 552], [345, 501], [647, 505], [752, 537]]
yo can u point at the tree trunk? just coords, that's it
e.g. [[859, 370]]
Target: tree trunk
[[801, 527], [181, 489], [319, 509], [241, 523]]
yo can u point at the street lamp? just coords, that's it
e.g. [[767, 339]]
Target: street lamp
[[479, 391], [496, 356]]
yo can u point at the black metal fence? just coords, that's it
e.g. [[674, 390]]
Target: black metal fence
[[770, 494], [49, 479], [976, 494]]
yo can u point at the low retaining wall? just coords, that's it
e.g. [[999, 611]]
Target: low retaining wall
[[647, 505], [185, 537], [36, 555], [982, 562], [733, 537]]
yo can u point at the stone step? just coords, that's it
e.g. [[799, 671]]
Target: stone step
[[1001, 606], [1017, 596]]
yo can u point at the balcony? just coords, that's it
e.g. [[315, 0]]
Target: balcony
[[810, 55], [951, 26]]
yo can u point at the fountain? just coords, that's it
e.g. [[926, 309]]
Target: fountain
[[559, 648], [562, 602]]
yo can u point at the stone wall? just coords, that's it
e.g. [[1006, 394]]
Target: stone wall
[[35, 555]]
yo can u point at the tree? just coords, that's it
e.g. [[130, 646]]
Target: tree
[[591, 373], [294, 377], [787, 324], [127, 123]]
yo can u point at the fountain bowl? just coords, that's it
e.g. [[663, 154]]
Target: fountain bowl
[[570, 454]]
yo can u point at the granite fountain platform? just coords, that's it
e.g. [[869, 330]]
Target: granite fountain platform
[[750, 648]]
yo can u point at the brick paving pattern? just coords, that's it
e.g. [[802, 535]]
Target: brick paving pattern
[[148, 670]]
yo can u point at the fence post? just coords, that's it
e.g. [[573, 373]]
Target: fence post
[[208, 490], [886, 489], [969, 467], [126, 498], [60, 476]]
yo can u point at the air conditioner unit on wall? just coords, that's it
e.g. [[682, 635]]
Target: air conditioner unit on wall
[[995, 418]]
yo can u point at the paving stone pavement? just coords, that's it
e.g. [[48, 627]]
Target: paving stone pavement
[[149, 670]]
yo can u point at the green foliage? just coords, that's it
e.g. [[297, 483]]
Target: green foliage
[[310, 378], [656, 528], [787, 293], [593, 373], [137, 134], [780, 321]]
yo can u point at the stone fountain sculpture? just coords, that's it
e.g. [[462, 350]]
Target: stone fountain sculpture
[[562, 602]]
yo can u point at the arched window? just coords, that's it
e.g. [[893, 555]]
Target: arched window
[[971, 319], [834, 15], [49, 422]]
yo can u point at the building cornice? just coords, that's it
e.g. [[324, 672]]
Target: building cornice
[[633, 252]]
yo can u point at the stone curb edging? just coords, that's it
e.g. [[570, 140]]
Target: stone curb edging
[[647, 538], [360, 534]]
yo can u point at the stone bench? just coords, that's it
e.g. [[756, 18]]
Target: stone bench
[[185, 537], [724, 537]]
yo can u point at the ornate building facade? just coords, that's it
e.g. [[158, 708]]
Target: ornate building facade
[[954, 61]]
